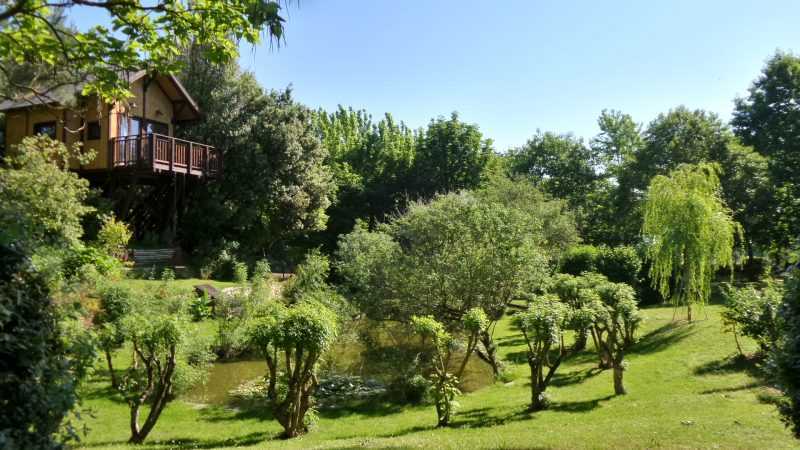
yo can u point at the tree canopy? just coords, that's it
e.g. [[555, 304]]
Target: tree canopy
[[142, 36]]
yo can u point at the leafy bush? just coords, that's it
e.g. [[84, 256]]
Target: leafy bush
[[413, 389], [262, 271], [200, 308], [310, 276], [620, 264], [43, 201], [114, 236], [753, 313], [580, 259], [168, 274], [240, 272], [37, 384], [82, 256]]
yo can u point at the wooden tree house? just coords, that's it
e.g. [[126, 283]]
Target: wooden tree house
[[139, 162]]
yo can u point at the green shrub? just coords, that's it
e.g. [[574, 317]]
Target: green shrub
[[114, 236], [37, 384], [413, 389], [240, 272], [82, 256], [620, 264], [580, 259], [262, 271], [168, 274], [753, 312], [200, 308]]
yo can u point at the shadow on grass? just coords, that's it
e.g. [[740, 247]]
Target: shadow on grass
[[102, 391], [369, 408], [579, 407], [482, 417], [662, 337], [731, 364], [222, 414], [579, 376], [511, 341], [182, 443]]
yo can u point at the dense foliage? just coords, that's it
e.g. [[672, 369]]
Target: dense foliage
[[142, 36], [787, 360], [690, 233], [443, 258], [276, 186], [753, 312], [37, 386], [43, 202]]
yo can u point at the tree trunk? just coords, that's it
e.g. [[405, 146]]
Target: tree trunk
[[619, 387], [111, 373], [491, 353], [134, 424], [581, 337]]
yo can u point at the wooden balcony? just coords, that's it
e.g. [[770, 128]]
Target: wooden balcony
[[160, 153]]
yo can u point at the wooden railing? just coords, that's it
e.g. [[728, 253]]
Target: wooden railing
[[159, 152]]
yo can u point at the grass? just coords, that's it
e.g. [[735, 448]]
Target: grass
[[686, 390], [182, 283]]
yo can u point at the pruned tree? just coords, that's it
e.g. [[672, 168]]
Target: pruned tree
[[443, 345], [115, 304], [301, 335], [543, 325], [262, 333], [690, 233], [166, 360], [616, 319]]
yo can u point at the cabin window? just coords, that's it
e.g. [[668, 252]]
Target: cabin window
[[93, 131], [157, 127], [45, 129]]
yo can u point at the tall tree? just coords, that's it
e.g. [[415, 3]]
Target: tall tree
[[276, 184], [563, 165], [690, 233], [615, 218], [371, 165], [451, 155], [769, 120]]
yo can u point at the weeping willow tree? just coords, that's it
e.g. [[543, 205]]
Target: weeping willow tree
[[690, 232]]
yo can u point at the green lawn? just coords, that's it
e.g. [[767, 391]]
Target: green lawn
[[684, 392], [183, 283]]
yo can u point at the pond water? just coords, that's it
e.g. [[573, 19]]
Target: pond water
[[225, 376], [346, 357]]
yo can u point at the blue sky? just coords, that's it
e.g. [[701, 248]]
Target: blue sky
[[513, 67]]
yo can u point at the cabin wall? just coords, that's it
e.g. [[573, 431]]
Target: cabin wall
[[159, 108], [21, 122]]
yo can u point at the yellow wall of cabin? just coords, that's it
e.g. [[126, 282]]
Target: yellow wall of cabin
[[20, 122]]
